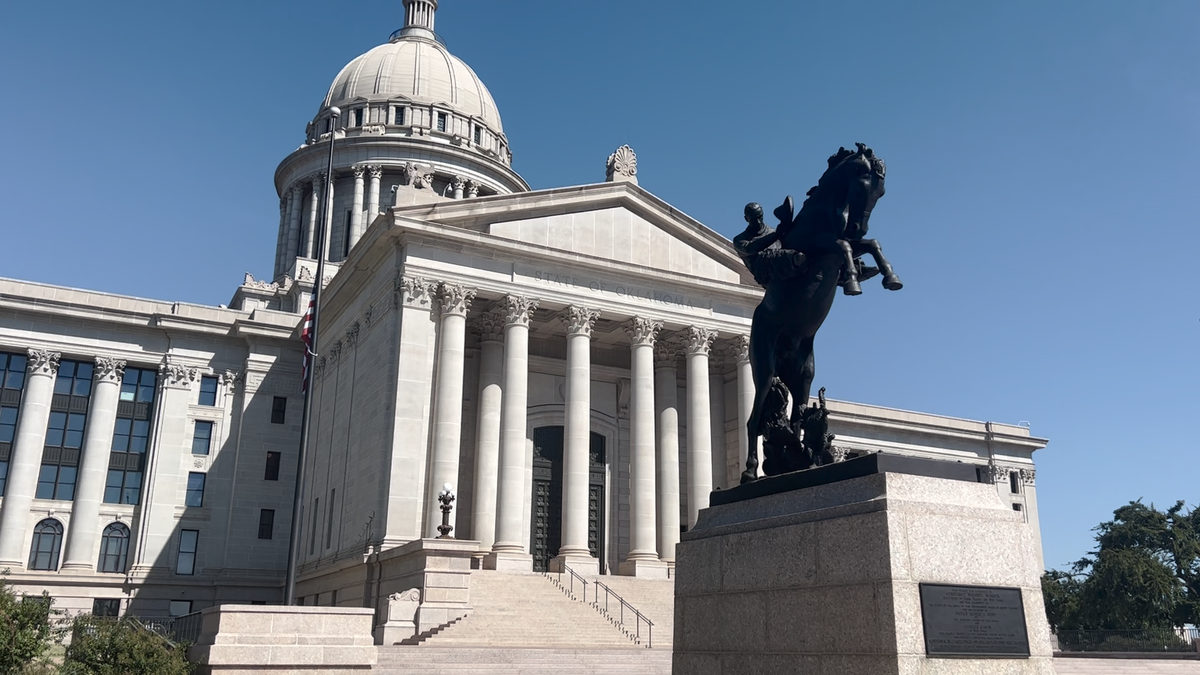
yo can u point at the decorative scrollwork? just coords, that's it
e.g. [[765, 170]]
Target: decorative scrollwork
[[643, 331], [622, 164], [109, 370]]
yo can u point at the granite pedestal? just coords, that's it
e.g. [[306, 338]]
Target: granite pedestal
[[789, 575]]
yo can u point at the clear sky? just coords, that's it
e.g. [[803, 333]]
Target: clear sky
[[1042, 166]]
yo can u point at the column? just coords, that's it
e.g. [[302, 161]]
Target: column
[[281, 239], [356, 215], [699, 340], [459, 183], [26, 457], [666, 406], [472, 189], [295, 213], [453, 301], [329, 221], [643, 555], [93, 469], [716, 404], [376, 172], [313, 217], [745, 400], [509, 552], [487, 432], [577, 435]]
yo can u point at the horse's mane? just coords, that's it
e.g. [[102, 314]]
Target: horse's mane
[[843, 155]]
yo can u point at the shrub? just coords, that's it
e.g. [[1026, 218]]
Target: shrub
[[122, 647], [26, 629]]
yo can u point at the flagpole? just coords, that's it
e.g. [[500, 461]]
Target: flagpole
[[309, 329]]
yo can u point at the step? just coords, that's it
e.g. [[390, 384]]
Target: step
[[459, 661]]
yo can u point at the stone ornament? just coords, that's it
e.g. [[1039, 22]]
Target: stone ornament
[[490, 325], [375, 171], [697, 341], [622, 165], [518, 310], [319, 372], [335, 353], [412, 291], [418, 176], [459, 183], [109, 370], [352, 335], [642, 331], [665, 353], [472, 189], [580, 320], [43, 362], [177, 376], [369, 316], [996, 474], [359, 171], [1028, 475], [739, 349], [455, 299]]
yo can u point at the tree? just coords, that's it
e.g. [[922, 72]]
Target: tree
[[27, 629], [124, 646]]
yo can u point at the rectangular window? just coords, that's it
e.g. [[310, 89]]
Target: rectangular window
[[1016, 507], [208, 390], [64, 431], [12, 382], [278, 410], [57, 482], [478, 135], [329, 523], [185, 564], [398, 118], [358, 117], [266, 523], [181, 607], [106, 607], [312, 535], [195, 490], [202, 438], [123, 487], [272, 472], [131, 436], [3, 476], [441, 121], [1014, 482], [346, 235]]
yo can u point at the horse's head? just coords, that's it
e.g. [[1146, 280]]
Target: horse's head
[[852, 184]]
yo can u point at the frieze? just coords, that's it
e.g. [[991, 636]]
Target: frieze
[[995, 474], [335, 353], [623, 291], [109, 370], [43, 362], [352, 335]]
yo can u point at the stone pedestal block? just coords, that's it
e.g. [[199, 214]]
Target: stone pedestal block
[[825, 580], [585, 565], [646, 569], [508, 561], [246, 639]]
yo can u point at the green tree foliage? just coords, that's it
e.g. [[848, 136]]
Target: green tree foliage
[[1144, 574], [27, 629], [124, 646]]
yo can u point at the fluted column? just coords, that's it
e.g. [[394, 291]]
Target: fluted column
[[93, 470], [716, 404], [745, 398], [281, 238], [453, 301], [487, 431], [376, 172], [577, 441], [26, 456], [356, 212], [699, 340], [509, 550], [666, 406], [642, 559], [295, 214], [459, 183], [310, 237]]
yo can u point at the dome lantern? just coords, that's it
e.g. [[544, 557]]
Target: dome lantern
[[418, 17]]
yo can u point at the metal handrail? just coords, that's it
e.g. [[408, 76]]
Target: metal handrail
[[639, 617], [571, 581]]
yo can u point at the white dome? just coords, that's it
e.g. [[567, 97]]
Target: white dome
[[416, 69]]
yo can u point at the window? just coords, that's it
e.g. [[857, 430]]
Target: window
[[12, 381], [258, 602], [272, 472], [74, 379], [329, 125], [195, 490], [329, 523], [1014, 482], [208, 390], [398, 113], [312, 535], [3, 475], [64, 432], [266, 523], [114, 548], [1017, 507], [106, 607], [181, 607], [441, 121], [346, 234], [478, 135], [202, 438], [47, 540], [278, 410], [358, 117], [131, 436], [189, 541]]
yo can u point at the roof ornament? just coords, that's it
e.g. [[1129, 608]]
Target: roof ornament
[[622, 166]]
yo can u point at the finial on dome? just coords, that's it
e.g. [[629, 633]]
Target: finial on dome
[[418, 16]]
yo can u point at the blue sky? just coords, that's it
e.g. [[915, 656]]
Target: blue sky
[[1042, 161]]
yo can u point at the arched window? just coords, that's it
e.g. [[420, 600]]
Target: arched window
[[114, 547], [47, 540]]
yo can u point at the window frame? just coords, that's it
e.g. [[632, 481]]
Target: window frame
[[36, 547], [279, 410], [191, 554], [271, 471], [207, 381], [115, 532], [203, 424], [266, 523], [195, 494]]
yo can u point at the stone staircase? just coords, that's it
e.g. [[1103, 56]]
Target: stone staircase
[[1102, 666], [521, 661], [654, 598]]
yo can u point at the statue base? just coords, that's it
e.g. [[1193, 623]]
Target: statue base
[[882, 564]]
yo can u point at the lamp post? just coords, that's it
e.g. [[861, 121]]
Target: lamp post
[[446, 499], [309, 337]]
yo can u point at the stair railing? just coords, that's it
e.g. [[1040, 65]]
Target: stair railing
[[623, 607], [574, 577]]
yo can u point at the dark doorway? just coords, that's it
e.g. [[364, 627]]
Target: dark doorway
[[545, 536]]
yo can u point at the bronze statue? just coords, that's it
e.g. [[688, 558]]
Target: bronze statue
[[800, 264]]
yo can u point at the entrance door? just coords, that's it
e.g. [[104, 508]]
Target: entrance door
[[545, 536]]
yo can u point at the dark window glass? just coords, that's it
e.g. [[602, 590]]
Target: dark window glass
[[12, 371], [114, 548], [74, 378], [3, 476], [189, 543], [478, 135], [181, 607], [138, 385], [47, 540], [195, 490], [106, 607], [346, 235], [1014, 482], [208, 391], [8, 423], [131, 436], [399, 115], [266, 523], [272, 472], [441, 121], [123, 487], [57, 482], [329, 523], [1016, 507], [202, 438], [278, 410], [358, 117], [312, 535]]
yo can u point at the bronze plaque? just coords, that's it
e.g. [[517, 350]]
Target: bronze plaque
[[974, 621]]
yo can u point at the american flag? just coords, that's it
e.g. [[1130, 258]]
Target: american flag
[[306, 338]]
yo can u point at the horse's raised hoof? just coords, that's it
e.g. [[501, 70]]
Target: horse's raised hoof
[[851, 287], [892, 282]]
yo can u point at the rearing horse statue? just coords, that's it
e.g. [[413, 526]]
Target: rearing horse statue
[[801, 264]]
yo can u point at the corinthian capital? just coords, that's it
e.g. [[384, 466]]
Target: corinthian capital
[[739, 349], [580, 320], [109, 370], [358, 172], [518, 309], [43, 362], [413, 291], [665, 352], [230, 380], [177, 376], [490, 325], [642, 331], [458, 183], [698, 340], [455, 299], [375, 171]]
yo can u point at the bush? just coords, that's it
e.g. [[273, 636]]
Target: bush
[[26, 629], [122, 647]]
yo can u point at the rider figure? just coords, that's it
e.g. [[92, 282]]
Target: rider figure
[[759, 247]]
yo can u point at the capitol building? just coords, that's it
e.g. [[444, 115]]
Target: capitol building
[[571, 360]]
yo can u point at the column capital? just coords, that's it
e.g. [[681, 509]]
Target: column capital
[[318, 179], [579, 320], [459, 182], [43, 362], [665, 353], [697, 340], [109, 370], [413, 291], [518, 309], [472, 189], [359, 171], [1028, 476], [177, 375], [454, 299], [352, 334], [297, 189], [739, 349], [642, 331], [230, 379], [490, 325], [375, 171]]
